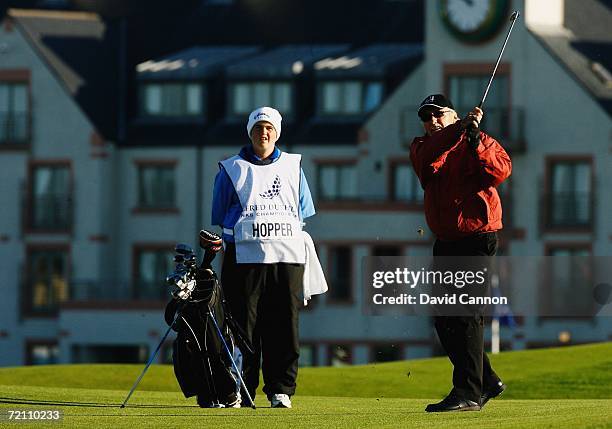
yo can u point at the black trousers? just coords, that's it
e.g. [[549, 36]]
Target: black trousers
[[463, 336], [265, 300]]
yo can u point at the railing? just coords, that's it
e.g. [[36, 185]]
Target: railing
[[44, 295], [505, 125], [51, 212], [118, 291], [14, 127], [382, 198]]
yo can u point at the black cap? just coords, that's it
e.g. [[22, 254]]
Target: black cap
[[436, 100]]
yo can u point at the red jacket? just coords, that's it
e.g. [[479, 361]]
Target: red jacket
[[459, 183]]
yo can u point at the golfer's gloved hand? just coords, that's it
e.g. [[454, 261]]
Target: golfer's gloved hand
[[471, 124], [472, 119], [473, 137]]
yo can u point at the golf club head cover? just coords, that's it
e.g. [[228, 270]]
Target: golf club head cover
[[210, 240]]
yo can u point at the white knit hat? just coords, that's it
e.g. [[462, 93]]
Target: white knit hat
[[268, 114]]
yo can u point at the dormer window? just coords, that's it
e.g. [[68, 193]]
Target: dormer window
[[246, 96], [173, 100], [349, 97]]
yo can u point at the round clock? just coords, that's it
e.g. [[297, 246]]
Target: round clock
[[474, 20]]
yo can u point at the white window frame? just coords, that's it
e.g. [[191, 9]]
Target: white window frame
[[338, 92], [190, 98], [280, 95]]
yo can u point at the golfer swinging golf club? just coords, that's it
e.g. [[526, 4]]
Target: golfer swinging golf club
[[459, 168], [260, 199]]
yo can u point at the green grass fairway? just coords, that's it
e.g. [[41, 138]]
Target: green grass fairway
[[565, 387]]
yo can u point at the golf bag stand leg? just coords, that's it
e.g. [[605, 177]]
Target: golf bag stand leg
[[229, 353], [178, 312]]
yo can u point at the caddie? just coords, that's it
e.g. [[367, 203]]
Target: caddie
[[260, 199]]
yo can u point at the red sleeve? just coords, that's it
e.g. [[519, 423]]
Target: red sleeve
[[416, 160], [424, 151], [494, 160]]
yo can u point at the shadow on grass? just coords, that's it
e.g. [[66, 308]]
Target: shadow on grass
[[221, 412], [25, 401]]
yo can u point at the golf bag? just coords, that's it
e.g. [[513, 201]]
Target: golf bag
[[202, 365]]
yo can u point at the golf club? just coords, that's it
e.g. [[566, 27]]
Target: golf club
[[183, 249], [173, 279], [231, 358], [513, 19], [189, 259], [211, 243]]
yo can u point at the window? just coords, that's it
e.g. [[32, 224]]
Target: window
[[349, 97], [41, 353], [386, 353], [172, 99], [14, 111], [247, 96], [337, 182], [570, 198], [156, 187], [405, 185], [340, 355], [153, 264], [109, 353], [569, 281], [51, 198], [47, 280], [339, 270], [463, 90]]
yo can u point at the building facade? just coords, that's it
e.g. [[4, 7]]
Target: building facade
[[109, 161]]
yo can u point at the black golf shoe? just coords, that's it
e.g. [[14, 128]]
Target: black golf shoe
[[205, 403], [453, 403], [492, 392]]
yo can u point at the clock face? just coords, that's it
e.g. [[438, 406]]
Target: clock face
[[474, 20]]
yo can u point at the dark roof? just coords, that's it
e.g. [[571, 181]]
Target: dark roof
[[277, 22], [158, 29], [268, 23], [195, 63], [585, 48], [324, 132], [82, 52], [314, 132], [233, 133], [373, 61], [160, 134], [282, 62], [588, 19]]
